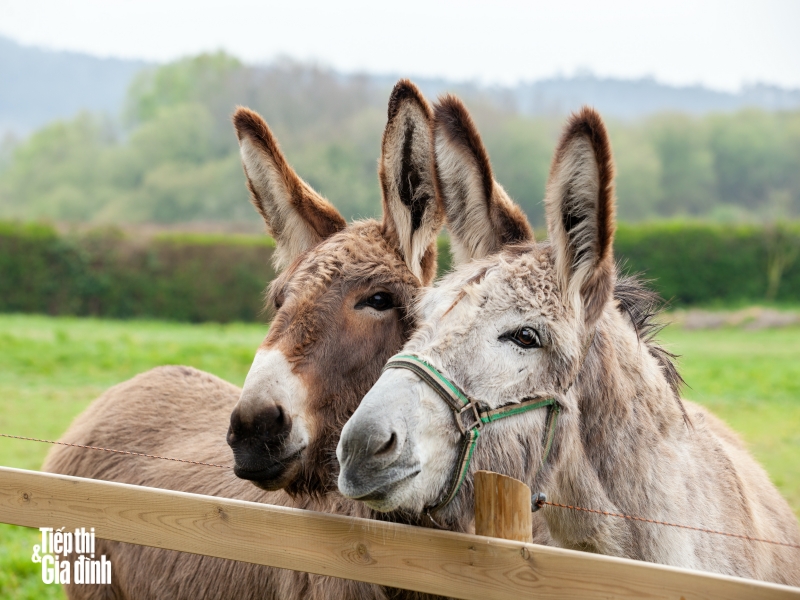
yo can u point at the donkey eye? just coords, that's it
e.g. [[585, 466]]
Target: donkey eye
[[525, 337], [379, 301]]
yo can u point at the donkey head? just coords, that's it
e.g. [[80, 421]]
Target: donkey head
[[340, 302], [512, 323]]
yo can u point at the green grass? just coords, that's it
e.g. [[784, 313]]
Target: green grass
[[751, 380], [52, 368]]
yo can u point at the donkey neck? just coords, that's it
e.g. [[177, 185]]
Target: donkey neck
[[617, 443], [624, 401]]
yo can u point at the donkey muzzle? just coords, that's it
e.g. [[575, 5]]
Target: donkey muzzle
[[258, 436], [374, 455]]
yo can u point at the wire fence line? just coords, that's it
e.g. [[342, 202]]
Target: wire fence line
[[128, 452], [540, 502]]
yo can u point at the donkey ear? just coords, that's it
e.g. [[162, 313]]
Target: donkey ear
[[296, 216], [482, 219], [580, 211], [412, 210]]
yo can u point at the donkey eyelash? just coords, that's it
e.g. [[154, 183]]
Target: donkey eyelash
[[526, 337], [379, 301]]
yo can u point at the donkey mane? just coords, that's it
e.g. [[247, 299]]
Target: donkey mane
[[644, 306]]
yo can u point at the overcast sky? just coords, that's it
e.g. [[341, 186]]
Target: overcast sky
[[721, 44]]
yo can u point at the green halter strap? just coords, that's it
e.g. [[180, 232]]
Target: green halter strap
[[477, 415]]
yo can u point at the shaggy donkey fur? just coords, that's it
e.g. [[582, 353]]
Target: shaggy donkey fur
[[335, 349], [624, 442]]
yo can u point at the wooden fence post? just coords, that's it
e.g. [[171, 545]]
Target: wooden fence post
[[502, 507]]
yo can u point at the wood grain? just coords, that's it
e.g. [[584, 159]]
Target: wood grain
[[451, 564], [502, 507]]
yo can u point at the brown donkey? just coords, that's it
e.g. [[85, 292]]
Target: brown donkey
[[554, 351], [340, 312]]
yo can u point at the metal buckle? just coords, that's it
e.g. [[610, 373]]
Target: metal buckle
[[477, 424]]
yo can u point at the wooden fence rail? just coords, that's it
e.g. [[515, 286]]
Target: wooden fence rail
[[427, 560]]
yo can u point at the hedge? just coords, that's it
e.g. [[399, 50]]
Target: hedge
[[221, 278], [710, 264], [107, 273]]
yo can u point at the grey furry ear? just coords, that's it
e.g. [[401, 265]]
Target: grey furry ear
[[412, 209], [482, 219], [296, 216], [580, 209]]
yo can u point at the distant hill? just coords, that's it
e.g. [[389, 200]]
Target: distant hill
[[38, 86], [628, 99]]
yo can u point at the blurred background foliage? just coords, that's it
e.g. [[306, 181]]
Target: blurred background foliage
[[171, 158]]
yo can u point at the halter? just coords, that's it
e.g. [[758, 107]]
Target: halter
[[478, 415]]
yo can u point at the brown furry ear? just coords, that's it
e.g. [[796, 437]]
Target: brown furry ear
[[482, 219], [412, 209], [580, 211], [296, 216]]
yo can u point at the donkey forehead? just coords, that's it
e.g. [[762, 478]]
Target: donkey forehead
[[522, 282], [357, 256]]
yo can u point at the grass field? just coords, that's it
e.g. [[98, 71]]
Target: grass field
[[52, 368]]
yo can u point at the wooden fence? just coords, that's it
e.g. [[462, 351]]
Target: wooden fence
[[426, 560]]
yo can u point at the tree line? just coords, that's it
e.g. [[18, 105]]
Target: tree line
[[172, 158]]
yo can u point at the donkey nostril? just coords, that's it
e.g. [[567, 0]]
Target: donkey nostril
[[388, 446], [270, 421], [235, 428]]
